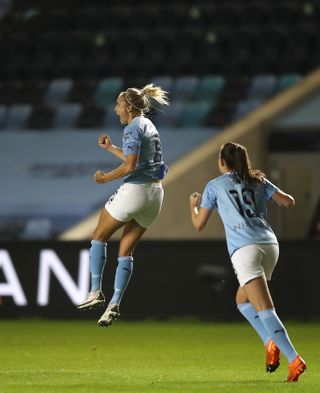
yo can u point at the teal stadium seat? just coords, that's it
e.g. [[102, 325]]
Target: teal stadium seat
[[209, 88], [194, 114], [107, 91], [287, 80]]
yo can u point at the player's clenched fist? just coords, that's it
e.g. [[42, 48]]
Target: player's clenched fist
[[99, 177], [195, 199], [104, 141]]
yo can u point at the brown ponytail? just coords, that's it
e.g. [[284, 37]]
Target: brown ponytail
[[237, 160]]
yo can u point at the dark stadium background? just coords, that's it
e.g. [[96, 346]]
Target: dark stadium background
[[63, 64]]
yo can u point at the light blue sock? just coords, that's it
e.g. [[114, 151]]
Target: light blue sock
[[98, 257], [278, 333], [122, 278], [250, 313]]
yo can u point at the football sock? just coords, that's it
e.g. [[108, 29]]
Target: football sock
[[250, 313], [122, 278], [98, 256], [278, 333]]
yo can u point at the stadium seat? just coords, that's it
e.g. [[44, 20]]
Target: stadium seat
[[184, 88], [17, 116], [165, 82], [169, 117], [262, 87], [245, 107], [66, 116], [209, 88], [57, 92], [194, 114], [107, 91], [285, 81]]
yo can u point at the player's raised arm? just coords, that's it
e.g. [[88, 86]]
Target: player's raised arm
[[199, 216]]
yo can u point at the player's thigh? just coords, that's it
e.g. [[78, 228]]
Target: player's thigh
[[270, 259], [132, 233], [247, 263], [126, 202], [149, 212], [106, 226]]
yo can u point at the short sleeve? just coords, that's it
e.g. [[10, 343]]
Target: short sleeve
[[131, 140], [269, 189], [209, 197]]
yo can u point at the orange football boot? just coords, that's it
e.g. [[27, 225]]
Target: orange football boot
[[296, 368], [272, 356]]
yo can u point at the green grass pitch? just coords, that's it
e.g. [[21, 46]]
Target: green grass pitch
[[40, 356]]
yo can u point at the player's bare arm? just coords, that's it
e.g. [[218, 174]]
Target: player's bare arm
[[199, 215], [105, 143], [283, 199], [128, 166]]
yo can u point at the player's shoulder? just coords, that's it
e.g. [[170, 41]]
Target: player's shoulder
[[140, 123], [222, 179]]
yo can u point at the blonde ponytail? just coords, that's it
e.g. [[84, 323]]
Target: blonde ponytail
[[156, 93], [140, 98]]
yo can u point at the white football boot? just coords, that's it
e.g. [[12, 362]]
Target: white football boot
[[111, 314], [93, 300]]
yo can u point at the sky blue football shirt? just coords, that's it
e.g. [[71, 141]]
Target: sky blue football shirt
[[141, 137], [242, 209]]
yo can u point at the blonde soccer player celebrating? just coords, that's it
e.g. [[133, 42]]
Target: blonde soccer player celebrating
[[136, 203], [240, 195]]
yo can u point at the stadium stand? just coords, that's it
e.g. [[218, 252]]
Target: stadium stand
[[64, 62]]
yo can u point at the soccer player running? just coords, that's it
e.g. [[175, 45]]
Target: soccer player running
[[138, 200], [240, 195]]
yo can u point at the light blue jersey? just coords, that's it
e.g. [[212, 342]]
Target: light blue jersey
[[141, 137], [242, 209]]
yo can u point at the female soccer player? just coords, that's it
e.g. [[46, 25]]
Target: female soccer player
[[136, 203], [240, 195]]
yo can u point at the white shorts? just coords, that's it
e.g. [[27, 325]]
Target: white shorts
[[255, 260], [139, 202]]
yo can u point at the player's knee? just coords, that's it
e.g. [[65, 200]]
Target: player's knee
[[99, 235]]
